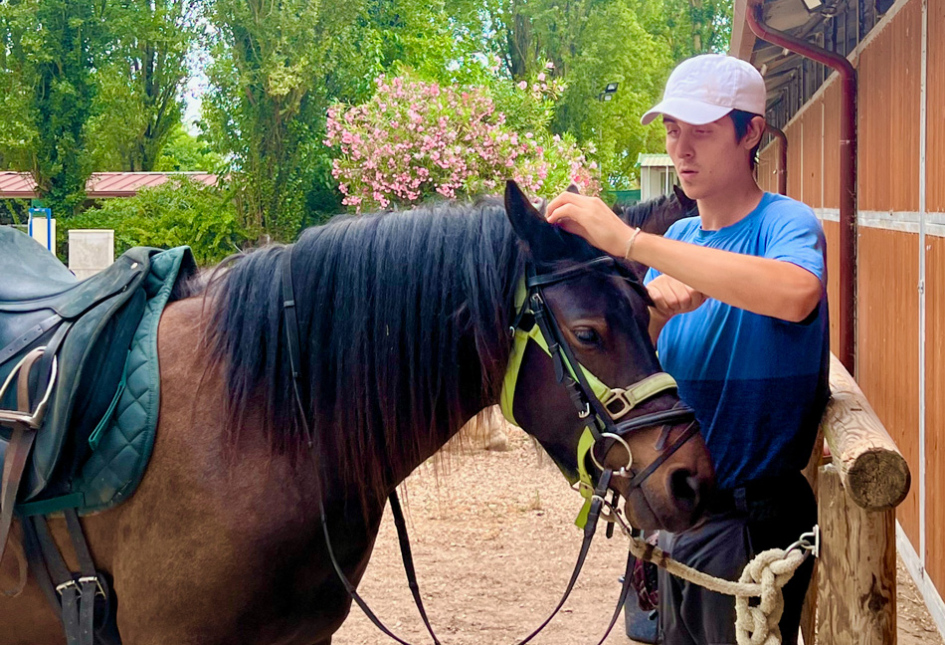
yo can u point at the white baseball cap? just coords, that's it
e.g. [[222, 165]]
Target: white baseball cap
[[705, 88]]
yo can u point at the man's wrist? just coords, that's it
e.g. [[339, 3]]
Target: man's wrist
[[631, 240]]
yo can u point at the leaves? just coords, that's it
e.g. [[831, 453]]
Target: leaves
[[176, 213], [414, 139]]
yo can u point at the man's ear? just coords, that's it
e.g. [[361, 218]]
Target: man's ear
[[755, 132], [543, 241]]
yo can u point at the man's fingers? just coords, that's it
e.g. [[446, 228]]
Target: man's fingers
[[664, 299], [564, 199], [682, 295]]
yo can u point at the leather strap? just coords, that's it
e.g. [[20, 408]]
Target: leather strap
[[14, 463], [624, 592], [88, 582], [691, 430], [407, 557], [590, 528]]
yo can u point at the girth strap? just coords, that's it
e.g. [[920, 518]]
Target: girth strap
[[74, 596]]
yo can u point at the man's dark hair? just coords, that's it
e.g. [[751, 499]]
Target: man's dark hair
[[741, 120]]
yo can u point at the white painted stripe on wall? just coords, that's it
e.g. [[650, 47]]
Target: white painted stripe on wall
[[933, 600], [902, 221]]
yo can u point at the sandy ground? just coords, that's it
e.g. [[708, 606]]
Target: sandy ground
[[494, 543]]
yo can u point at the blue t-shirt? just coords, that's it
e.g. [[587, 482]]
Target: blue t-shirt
[[757, 384]]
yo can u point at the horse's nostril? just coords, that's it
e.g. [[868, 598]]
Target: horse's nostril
[[684, 487]]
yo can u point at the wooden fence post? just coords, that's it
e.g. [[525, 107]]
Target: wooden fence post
[[857, 570]]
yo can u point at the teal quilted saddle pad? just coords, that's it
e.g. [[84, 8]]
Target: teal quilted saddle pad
[[100, 461]]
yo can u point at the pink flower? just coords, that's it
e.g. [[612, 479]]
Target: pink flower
[[523, 85], [541, 76]]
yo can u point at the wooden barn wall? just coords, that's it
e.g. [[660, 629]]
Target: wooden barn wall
[[832, 233], [813, 155], [889, 74], [935, 299], [935, 411], [889, 71], [935, 116], [795, 153], [831, 144], [768, 167], [888, 345]]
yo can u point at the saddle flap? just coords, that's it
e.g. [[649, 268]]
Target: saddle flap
[[91, 359], [28, 269]]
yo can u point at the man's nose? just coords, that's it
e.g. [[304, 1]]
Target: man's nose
[[684, 145]]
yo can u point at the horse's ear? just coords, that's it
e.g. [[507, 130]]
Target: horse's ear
[[572, 188], [683, 198], [542, 240]]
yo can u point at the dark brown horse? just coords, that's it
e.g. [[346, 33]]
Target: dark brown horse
[[404, 324]]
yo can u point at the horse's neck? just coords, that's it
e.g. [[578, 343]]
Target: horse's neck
[[473, 401]]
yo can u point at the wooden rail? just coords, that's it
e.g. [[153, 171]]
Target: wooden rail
[[872, 470]]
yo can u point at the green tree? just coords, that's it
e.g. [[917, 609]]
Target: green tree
[[18, 133], [690, 27], [140, 84], [50, 55], [589, 44], [274, 68], [185, 152]]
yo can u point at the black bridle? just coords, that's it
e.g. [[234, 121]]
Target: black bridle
[[602, 425], [569, 373]]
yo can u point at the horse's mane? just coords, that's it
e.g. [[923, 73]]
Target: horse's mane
[[655, 215], [636, 215], [385, 304]]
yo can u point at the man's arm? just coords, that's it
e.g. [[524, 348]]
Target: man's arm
[[763, 286]]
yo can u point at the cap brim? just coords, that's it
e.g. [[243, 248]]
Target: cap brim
[[687, 110]]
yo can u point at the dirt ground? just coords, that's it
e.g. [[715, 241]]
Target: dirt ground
[[494, 544]]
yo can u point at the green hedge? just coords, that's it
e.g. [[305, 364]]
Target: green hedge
[[177, 213]]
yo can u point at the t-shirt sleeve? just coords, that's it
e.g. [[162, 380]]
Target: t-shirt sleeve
[[795, 235]]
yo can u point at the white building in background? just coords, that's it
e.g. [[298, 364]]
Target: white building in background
[[657, 175]]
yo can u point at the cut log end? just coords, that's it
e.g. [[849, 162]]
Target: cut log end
[[878, 479]]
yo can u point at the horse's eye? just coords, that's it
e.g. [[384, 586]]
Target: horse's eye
[[587, 336]]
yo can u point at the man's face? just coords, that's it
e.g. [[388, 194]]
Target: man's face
[[707, 157]]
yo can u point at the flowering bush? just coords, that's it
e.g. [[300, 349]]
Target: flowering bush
[[415, 139]]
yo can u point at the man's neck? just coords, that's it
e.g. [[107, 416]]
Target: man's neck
[[729, 206]]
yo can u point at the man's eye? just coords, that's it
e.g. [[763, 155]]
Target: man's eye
[[587, 336]]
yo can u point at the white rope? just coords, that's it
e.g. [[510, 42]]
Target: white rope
[[764, 577]]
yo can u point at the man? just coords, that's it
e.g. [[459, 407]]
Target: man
[[740, 320]]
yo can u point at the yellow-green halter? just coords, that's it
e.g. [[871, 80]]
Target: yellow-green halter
[[617, 401]]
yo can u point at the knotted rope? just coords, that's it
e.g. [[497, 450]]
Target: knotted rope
[[764, 577]]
